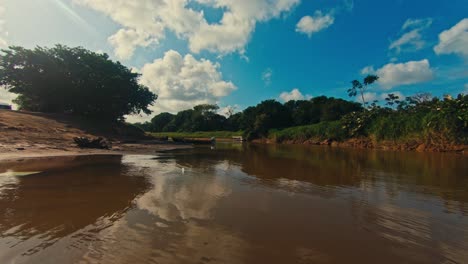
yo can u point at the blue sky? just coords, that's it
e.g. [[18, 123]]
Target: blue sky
[[240, 52]]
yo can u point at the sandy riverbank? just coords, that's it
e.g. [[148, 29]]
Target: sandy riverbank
[[26, 134], [120, 149]]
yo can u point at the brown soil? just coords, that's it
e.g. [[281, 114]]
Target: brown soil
[[27, 134], [366, 143]]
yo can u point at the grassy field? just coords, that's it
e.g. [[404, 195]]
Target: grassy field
[[209, 134]]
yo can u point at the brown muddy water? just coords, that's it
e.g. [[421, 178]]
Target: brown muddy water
[[236, 204]]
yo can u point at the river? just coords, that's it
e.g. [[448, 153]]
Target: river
[[236, 203]]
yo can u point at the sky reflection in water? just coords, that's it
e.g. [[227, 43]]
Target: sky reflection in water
[[237, 204]]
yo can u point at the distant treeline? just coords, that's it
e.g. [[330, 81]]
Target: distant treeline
[[420, 117], [255, 121]]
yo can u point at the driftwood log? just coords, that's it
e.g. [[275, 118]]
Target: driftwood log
[[97, 143]]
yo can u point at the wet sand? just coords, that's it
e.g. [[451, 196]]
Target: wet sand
[[11, 153], [29, 135]]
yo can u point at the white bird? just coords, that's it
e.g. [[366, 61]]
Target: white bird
[[183, 170]]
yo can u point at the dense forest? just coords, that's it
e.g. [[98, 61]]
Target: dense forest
[[255, 121], [420, 117]]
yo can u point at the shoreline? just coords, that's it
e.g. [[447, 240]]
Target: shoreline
[[36, 135], [366, 143], [13, 153], [144, 148]]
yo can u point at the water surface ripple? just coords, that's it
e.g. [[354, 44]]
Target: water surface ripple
[[236, 204]]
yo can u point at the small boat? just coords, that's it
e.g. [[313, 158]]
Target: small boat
[[238, 138]]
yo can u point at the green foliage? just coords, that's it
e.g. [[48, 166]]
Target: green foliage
[[420, 117], [160, 123], [392, 100], [205, 134], [319, 109], [257, 121], [143, 126], [361, 88], [448, 120], [432, 121], [357, 123], [395, 126], [233, 122], [72, 80], [321, 131], [200, 118]]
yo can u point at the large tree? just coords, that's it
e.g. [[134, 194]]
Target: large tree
[[317, 109], [160, 122], [362, 87], [200, 118], [72, 80], [257, 121]]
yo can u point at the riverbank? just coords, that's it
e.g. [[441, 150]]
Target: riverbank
[[200, 135], [119, 149], [27, 134], [367, 143]]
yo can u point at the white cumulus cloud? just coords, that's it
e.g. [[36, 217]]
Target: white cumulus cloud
[[145, 22], [368, 70], [312, 24], [3, 33], [369, 97], [454, 40], [397, 74], [181, 82], [6, 97], [267, 75], [411, 37], [295, 94], [125, 42], [229, 110], [411, 23]]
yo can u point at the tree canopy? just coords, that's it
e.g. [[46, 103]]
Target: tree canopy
[[420, 116], [362, 87], [72, 80], [255, 121], [200, 118]]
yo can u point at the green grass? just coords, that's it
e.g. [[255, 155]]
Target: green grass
[[431, 127], [428, 128], [207, 134], [320, 131]]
